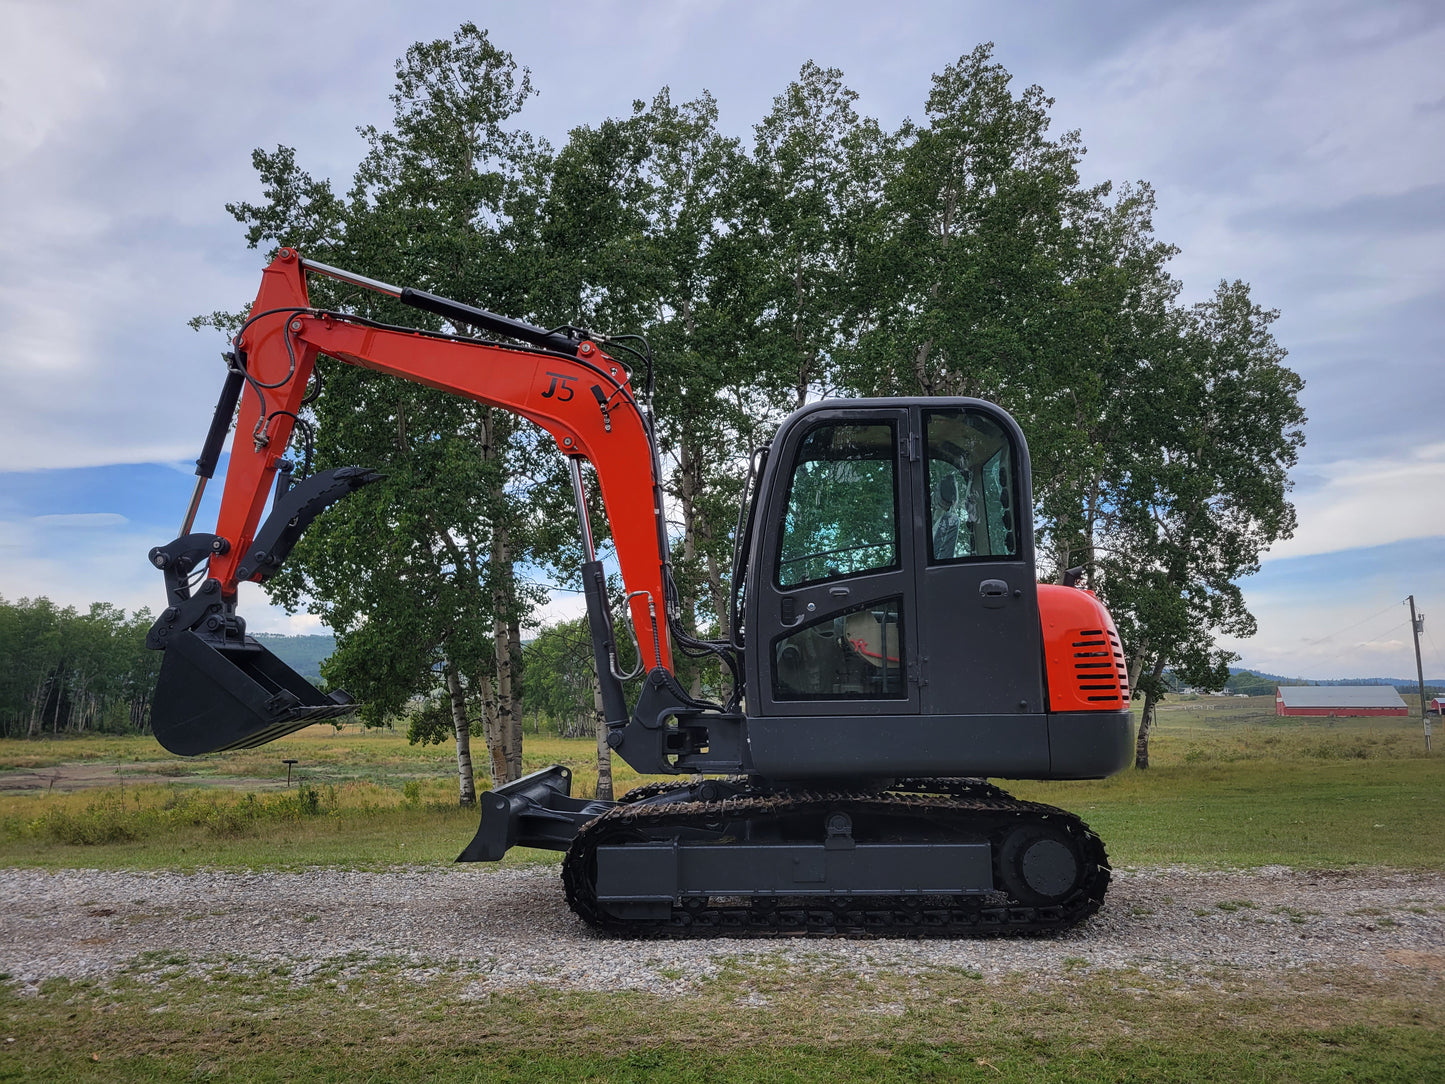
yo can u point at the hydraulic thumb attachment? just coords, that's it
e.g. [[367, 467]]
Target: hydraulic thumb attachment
[[219, 688]]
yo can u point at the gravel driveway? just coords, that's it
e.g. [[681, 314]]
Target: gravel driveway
[[512, 927]]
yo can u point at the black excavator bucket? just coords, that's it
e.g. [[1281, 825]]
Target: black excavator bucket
[[218, 694], [218, 688]]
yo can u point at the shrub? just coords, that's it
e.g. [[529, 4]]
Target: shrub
[[110, 820], [101, 822]]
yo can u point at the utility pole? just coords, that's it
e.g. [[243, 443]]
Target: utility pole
[[1416, 624]]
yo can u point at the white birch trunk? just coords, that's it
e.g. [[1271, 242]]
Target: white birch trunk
[[466, 779]]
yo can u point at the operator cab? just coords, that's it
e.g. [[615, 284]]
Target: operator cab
[[891, 590]]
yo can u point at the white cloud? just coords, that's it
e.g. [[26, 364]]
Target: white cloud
[[48, 556], [1343, 613], [1394, 650], [1370, 502], [29, 59], [1252, 103], [1265, 129], [81, 520], [1325, 640], [274, 619], [561, 606]]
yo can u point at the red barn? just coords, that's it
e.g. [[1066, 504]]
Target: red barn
[[1338, 700]]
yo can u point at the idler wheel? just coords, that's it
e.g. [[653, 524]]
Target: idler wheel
[[1039, 865]]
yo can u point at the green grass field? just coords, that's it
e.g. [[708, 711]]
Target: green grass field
[[1232, 786], [761, 1022]]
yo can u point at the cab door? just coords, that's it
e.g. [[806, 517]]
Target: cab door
[[980, 643], [832, 598]]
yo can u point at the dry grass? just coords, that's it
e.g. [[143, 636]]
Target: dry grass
[[323, 754]]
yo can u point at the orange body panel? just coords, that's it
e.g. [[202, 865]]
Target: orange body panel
[[554, 392], [1083, 659]]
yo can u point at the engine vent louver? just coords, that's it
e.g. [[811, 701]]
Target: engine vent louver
[[1099, 670]]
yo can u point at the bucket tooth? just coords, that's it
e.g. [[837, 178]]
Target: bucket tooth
[[217, 694]]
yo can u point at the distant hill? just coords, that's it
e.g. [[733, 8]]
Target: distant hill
[[1243, 680], [1279, 679], [304, 654]]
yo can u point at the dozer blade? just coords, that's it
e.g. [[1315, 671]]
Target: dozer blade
[[217, 694]]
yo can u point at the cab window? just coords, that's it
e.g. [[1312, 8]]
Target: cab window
[[971, 495], [855, 654], [841, 517]]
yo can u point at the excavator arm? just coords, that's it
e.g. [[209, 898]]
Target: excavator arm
[[564, 383]]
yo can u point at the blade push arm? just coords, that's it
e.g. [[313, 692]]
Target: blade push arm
[[581, 398]]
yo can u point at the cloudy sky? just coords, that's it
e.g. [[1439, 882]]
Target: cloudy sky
[[1299, 146]]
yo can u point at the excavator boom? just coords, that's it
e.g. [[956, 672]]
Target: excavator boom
[[582, 398]]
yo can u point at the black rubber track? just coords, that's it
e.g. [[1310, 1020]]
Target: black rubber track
[[651, 790], [959, 787], [951, 817]]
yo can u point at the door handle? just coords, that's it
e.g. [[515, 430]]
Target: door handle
[[994, 593], [788, 612], [839, 592]]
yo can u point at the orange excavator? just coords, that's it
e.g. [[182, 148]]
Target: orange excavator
[[892, 648]]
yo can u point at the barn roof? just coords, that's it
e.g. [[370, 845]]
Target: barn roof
[[1340, 696]]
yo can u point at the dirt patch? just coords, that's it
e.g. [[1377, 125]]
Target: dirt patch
[[1428, 961], [67, 778]]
